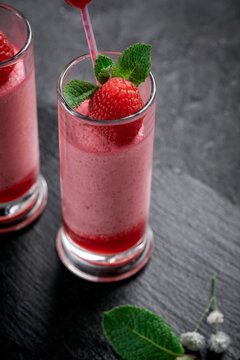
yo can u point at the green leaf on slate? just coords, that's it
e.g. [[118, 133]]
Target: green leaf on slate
[[137, 334], [76, 91], [134, 63], [103, 68]]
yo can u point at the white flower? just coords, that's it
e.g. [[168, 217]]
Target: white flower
[[219, 342], [193, 340], [215, 317]]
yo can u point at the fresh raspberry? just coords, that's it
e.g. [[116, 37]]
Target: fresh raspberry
[[78, 3], [116, 99], [6, 52]]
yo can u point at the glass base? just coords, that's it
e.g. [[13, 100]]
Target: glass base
[[104, 268], [19, 213]]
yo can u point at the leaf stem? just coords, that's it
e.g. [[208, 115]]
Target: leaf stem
[[215, 307], [206, 310], [212, 300], [214, 291]]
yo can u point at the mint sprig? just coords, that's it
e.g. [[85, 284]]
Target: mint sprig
[[103, 68], [134, 63], [136, 333], [76, 91]]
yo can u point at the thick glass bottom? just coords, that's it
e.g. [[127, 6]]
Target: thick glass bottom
[[104, 268], [19, 213]]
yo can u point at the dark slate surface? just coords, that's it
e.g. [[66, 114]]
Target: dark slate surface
[[46, 312]]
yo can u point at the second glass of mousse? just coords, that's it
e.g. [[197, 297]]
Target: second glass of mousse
[[106, 168], [23, 191]]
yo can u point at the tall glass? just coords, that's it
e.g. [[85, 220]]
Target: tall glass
[[105, 185], [23, 192]]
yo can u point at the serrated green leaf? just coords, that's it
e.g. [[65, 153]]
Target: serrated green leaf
[[103, 68], [137, 334], [76, 91], [134, 63]]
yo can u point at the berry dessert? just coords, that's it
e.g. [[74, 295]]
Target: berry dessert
[[19, 158], [106, 153]]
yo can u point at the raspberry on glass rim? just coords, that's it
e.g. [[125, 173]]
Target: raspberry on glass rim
[[116, 99], [117, 96], [6, 52]]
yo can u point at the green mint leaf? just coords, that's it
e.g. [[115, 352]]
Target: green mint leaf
[[76, 91], [136, 333], [103, 68], [134, 63]]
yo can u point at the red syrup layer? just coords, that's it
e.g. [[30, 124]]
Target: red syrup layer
[[108, 244], [11, 193]]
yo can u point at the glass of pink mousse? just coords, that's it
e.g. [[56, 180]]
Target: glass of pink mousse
[[105, 168], [23, 191]]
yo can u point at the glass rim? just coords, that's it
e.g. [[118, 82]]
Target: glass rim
[[99, 121], [21, 52]]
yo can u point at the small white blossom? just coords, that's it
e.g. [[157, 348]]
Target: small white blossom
[[215, 317], [193, 340], [219, 342]]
